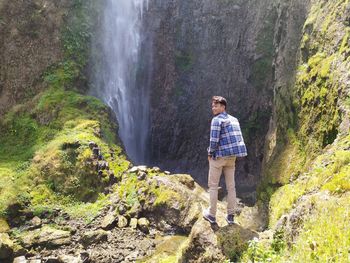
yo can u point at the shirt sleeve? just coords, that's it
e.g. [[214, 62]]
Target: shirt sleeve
[[215, 129]]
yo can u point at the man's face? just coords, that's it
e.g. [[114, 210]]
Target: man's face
[[217, 108]]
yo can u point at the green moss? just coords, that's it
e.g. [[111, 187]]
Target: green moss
[[333, 176], [322, 240], [165, 195], [128, 189]]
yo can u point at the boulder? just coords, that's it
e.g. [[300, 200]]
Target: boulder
[[6, 246], [209, 243], [48, 237], [93, 237]]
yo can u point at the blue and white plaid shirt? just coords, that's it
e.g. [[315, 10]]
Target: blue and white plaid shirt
[[226, 137]]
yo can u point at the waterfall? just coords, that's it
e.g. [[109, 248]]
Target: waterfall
[[117, 78]]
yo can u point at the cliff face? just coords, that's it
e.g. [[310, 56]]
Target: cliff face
[[29, 45], [243, 50], [206, 48]]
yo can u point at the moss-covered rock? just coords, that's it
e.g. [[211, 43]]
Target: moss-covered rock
[[46, 236], [6, 246]]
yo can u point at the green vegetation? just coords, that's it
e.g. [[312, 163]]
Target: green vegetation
[[136, 191], [46, 147], [311, 165], [45, 159]]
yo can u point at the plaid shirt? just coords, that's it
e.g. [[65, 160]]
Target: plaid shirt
[[226, 137]]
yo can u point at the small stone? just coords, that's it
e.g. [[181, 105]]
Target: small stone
[[93, 237], [36, 221], [122, 209], [4, 227], [141, 176], [133, 223], [108, 222], [92, 145], [122, 221], [143, 224], [167, 172], [69, 259], [141, 168], [132, 256], [96, 151], [156, 169]]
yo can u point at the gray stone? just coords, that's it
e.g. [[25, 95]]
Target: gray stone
[[141, 168], [108, 222], [133, 223], [156, 168], [36, 222], [143, 224], [93, 237], [122, 221]]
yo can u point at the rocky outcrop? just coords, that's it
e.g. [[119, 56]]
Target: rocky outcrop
[[203, 48]]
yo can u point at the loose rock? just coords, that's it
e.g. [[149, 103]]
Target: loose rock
[[122, 222], [133, 223], [143, 224], [108, 222]]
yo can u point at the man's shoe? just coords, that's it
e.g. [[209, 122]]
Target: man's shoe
[[208, 217], [230, 219]]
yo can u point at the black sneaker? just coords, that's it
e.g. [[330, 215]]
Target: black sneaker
[[208, 217], [230, 219]]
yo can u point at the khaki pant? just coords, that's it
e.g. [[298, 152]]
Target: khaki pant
[[216, 167]]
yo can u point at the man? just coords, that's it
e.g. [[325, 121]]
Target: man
[[226, 143]]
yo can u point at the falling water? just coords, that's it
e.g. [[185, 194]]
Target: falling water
[[116, 80]]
